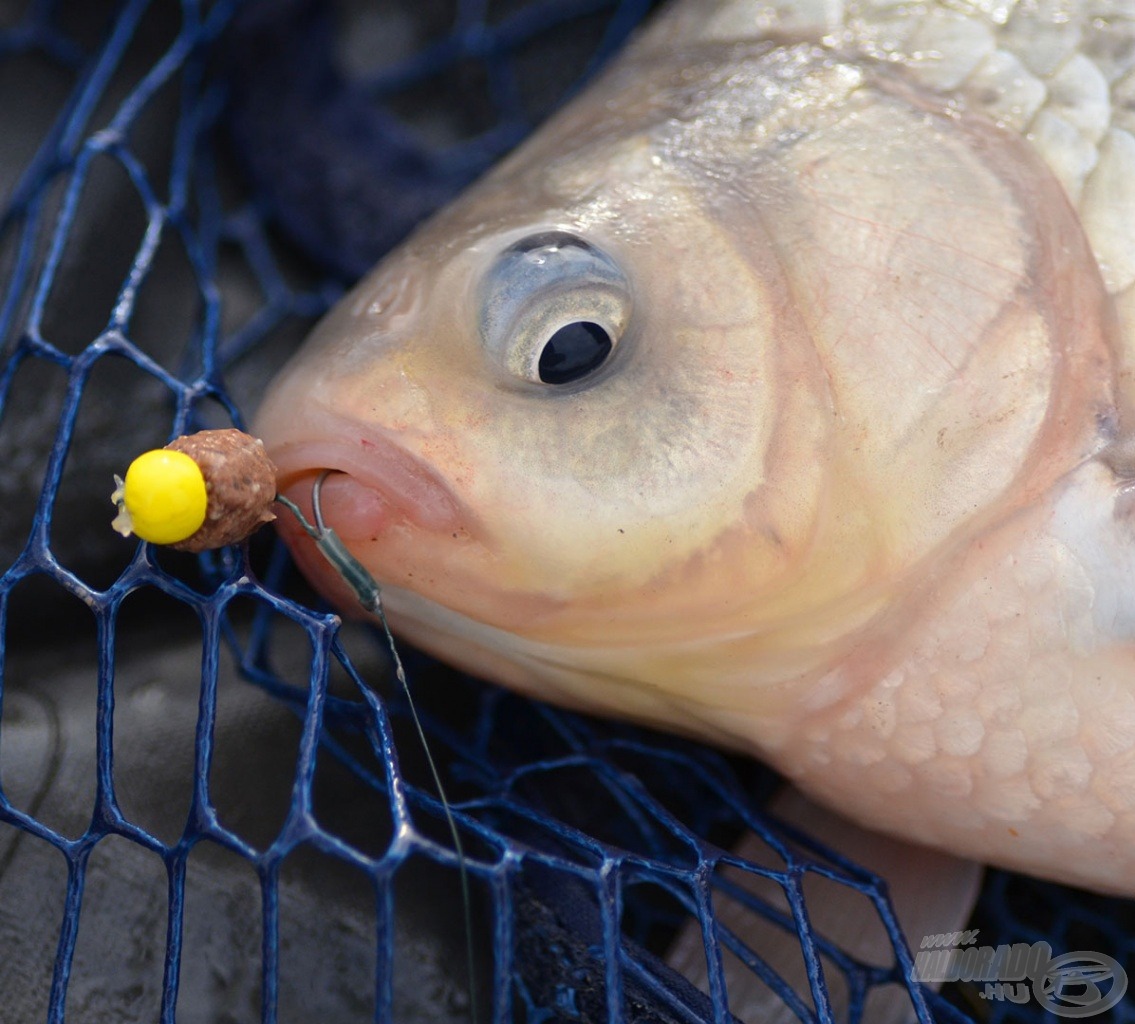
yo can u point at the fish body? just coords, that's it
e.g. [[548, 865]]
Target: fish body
[[778, 392]]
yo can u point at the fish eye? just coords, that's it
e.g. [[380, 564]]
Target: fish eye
[[553, 308]]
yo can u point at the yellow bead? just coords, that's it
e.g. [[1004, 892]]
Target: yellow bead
[[165, 497]]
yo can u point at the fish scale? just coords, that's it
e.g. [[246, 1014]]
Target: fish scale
[[1061, 73]]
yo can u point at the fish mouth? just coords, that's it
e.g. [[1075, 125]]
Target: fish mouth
[[373, 487]]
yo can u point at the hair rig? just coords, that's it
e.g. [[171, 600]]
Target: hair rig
[[217, 487]]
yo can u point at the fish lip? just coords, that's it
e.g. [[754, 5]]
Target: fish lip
[[408, 490]]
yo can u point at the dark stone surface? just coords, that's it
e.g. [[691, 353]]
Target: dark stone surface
[[326, 908]]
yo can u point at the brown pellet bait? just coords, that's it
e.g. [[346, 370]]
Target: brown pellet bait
[[201, 491]]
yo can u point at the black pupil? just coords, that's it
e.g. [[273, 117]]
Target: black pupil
[[573, 352]]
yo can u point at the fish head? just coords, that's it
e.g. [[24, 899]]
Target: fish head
[[665, 413]]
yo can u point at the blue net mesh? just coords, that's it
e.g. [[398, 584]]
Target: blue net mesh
[[212, 805]]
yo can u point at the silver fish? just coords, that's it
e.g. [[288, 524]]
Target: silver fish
[[779, 392]]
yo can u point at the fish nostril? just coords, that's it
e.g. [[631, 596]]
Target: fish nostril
[[390, 299]]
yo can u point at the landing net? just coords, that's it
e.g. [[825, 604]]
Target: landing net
[[212, 806]]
